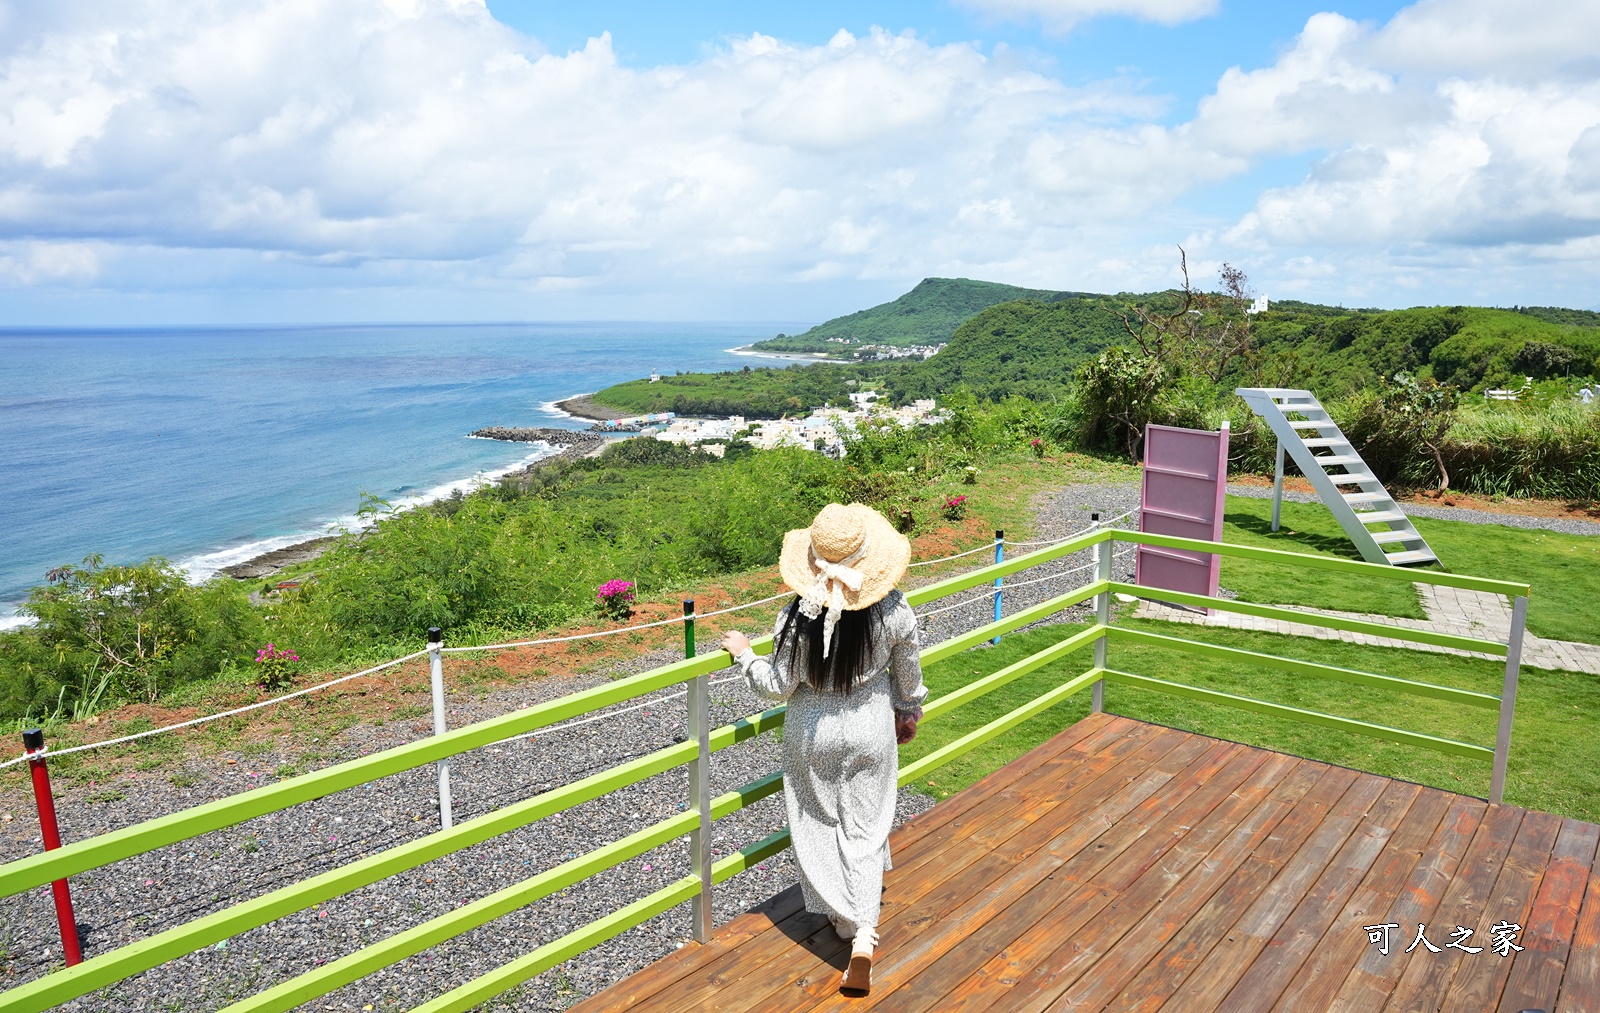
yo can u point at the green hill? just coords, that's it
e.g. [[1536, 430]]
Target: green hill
[[927, 315], [1025, 347]]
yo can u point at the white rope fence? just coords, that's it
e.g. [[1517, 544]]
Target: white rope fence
[[259, 704], [217, 717]]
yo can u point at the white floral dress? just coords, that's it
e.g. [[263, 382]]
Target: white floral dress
[[840, 765]]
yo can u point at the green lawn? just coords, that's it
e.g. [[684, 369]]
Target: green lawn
[[1309, 528], [1563, 570], [1555, 756]]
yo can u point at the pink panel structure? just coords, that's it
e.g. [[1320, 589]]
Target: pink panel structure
[[1185, 487]]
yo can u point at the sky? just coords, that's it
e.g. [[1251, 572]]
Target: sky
[[258, 161]]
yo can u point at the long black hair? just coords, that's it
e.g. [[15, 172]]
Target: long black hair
[[799, 643]]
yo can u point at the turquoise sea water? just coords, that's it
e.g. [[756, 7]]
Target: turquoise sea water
[[209, 445]]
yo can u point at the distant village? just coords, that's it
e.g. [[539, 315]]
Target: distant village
[[823, 430]]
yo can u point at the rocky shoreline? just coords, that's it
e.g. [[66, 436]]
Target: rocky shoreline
[[584, 406], [569, 443]]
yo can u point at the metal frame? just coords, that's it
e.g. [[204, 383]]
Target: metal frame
[[697, 821]]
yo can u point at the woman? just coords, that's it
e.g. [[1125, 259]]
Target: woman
[[845, 657]]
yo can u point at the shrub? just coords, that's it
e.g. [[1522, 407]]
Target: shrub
[[615, 598], [955, 507], [275, 667]]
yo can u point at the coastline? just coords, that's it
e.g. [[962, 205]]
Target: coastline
[[583, 406], [566, 444]]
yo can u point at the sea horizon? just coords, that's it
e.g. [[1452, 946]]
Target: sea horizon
[[210, 445]]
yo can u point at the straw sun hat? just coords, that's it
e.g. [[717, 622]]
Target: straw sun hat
[[849, 559]]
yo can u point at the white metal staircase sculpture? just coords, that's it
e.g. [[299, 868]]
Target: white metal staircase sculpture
[[1366, 511]]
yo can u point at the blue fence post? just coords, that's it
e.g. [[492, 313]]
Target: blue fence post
[[999, 557]]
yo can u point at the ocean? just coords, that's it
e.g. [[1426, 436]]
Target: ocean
[[209, 446]]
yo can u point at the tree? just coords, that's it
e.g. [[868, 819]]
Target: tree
[[1206, 331]]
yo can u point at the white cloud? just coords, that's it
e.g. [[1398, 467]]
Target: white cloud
[[1062, 15], [150, 144]]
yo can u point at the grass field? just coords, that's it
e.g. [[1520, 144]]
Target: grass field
[[1563, 570], [1555, 757]]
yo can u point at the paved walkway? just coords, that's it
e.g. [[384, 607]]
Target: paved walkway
[[1450, 610]]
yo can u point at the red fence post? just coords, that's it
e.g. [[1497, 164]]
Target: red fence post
[[33, 746]]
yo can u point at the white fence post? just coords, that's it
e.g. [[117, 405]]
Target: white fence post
[[1277, 488], [1508, 698], [1102, 615], [436, 667]]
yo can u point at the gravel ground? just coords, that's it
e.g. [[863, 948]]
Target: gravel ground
[[133, 899]]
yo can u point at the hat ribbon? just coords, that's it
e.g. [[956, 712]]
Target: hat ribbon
[[828, 589]]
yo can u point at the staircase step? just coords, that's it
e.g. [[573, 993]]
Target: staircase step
[[1380, 517], [1368, 514], [1386, 537], [1414, 556]]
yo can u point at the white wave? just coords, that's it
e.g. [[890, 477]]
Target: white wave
[[203, 567], [787, 356], [554, 409], [15, 621]]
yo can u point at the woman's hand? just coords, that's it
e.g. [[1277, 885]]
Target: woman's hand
[[735, 643], [905, 725]]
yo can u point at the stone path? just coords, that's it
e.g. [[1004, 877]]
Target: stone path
[[1450, 610]]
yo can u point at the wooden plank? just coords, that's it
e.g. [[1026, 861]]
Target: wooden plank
[[734, 946], [917, 939], [1074, 952], [1166, 972], [1287, 948], [1084, 738], [1052, 911], [1139, 942], [1427, 975], [1322, 975], [1480, 978], [1536, 975], [993, 813], [664, 973], [966, 864], [1580, 982], [1240, 945], [1369, 983]]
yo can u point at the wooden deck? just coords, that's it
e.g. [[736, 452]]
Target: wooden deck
[[1127, 866]]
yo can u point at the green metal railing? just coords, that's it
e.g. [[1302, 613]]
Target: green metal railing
[[695, 888]]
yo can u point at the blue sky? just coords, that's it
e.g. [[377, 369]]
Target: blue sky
[[268, 160]]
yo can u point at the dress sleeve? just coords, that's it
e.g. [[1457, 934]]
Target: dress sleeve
[[905, 661], [768, 679]]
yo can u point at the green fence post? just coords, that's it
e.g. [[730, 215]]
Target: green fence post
[[699, 729], [1102, 615]]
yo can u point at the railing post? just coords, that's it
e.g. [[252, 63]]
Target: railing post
[[33, 746], [999, 557], [1102, 615], [1508, 698], [1277, 488], [440, 726], [699, 729]]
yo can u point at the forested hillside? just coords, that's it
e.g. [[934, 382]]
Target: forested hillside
[[1339, 351], [927, 315]]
